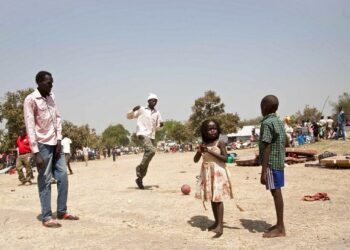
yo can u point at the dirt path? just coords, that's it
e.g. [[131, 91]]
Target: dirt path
[[116, 215]]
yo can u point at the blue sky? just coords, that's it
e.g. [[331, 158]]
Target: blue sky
[[106, 56]]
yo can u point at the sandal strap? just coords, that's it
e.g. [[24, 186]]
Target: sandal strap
[[67, 216]]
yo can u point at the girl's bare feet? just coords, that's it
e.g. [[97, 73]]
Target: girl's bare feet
[[276, 232]]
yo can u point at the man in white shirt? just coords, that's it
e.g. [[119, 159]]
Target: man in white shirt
[[323, 124], [66, 142], [329, 128], [86, 155], [288, 129], [148, 120]]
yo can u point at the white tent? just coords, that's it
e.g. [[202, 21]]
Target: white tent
[[246, 131]]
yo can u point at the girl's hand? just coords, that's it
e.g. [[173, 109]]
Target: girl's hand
[[203, 148]]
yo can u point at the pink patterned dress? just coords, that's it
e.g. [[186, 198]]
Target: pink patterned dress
[[214, 183]]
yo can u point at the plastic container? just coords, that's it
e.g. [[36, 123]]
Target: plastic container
[[230, 158]]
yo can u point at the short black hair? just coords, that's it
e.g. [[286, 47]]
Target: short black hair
[[271, 102], [40, 76], [204, 130]]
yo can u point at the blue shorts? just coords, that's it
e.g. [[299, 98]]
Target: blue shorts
[[274, 179]]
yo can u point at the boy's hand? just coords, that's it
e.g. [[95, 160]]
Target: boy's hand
[[263, 178], [136, 108]]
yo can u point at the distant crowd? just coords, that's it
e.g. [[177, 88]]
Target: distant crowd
[[312, 131]]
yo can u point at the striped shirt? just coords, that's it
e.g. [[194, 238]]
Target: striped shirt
[[272, 132]]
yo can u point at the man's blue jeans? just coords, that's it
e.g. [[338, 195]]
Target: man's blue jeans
[[57, 169], [341, 131]]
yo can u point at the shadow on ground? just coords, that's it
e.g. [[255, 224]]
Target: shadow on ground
[[255, 226], [147, 187], [40, 218], [200, 221], [203, 222]]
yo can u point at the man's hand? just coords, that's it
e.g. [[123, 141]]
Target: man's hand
[[58, 151], [263, 177], [136, 108], [39, 161]]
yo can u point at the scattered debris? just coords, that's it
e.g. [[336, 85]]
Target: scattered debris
[[316, 197]]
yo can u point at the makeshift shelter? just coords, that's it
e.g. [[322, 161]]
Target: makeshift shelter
[[244, 133]]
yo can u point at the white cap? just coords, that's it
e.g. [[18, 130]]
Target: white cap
[[152, 96]]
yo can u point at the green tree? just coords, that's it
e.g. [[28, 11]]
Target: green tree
[[95, 141], [210, 107], [229, 122], [115, 135], [161, 133], [344, 102], [80, 135], [72, 131], [11, 113], [308, 114], [135, 140], [174, 130], [179, 133], [165, 132], [252, 121], [2, 140]]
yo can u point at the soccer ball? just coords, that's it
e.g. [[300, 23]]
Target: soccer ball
[[185, 189]]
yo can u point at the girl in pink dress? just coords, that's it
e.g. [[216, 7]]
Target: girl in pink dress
[[214, 183]]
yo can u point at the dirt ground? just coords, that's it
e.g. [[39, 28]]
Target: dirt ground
[[116, 215]]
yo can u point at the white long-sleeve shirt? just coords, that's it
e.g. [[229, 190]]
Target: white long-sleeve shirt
[[147, 121]]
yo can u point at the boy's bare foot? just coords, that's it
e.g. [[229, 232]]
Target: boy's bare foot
[[217, 235], [275, 233], [212, 227], [270, 229], [218, 230]]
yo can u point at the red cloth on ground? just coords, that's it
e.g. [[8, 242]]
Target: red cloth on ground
[[316, 197]]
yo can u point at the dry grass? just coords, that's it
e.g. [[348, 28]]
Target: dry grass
[[340, 147]]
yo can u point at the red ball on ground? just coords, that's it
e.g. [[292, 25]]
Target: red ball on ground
[[185, 189]]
